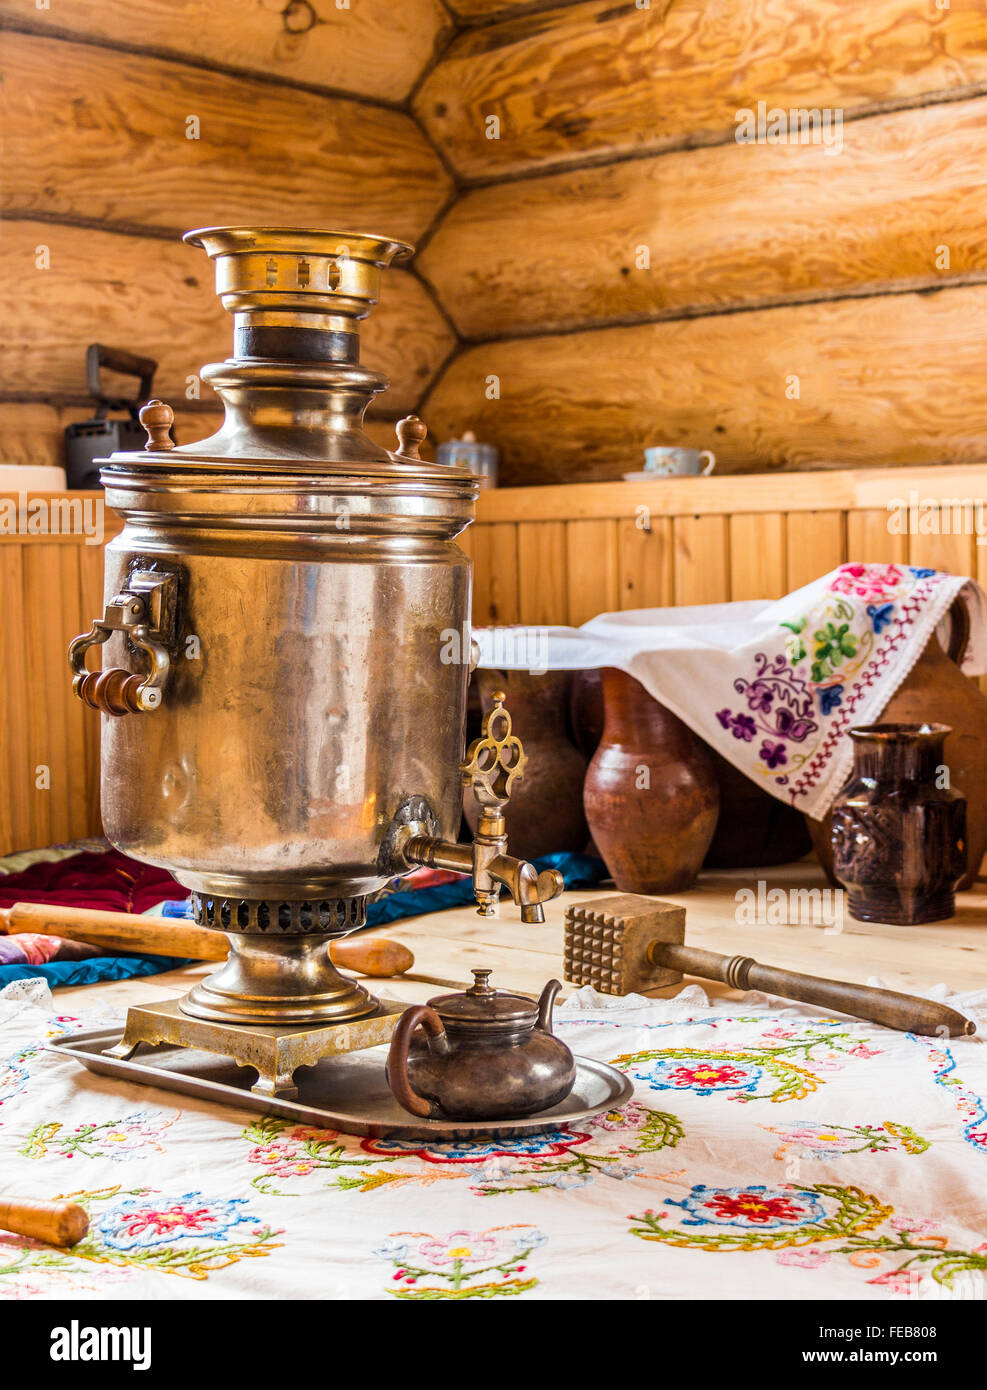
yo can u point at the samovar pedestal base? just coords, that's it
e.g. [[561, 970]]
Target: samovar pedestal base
[[273, 1051]]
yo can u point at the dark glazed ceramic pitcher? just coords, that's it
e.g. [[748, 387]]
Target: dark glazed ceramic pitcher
[[899, 837]]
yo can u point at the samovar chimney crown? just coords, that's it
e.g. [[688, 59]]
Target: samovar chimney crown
[[296, 293]]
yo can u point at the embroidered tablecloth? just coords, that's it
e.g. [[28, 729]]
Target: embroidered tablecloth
[[766, 1153], [772, 686]]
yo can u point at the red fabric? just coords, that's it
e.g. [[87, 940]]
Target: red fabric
[[110, 880]]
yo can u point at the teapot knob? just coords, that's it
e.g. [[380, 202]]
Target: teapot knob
[[546, 1004], [480, 983]]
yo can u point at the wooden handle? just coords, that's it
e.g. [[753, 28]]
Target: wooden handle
[[164, 936], [906, 1012], [122, 931], [56, 1223]]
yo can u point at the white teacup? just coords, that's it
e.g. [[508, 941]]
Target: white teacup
[[669, 460]]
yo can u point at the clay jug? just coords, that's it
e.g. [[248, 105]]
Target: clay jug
[[754, 828], [545, 813], [936, 691], [650, 794]]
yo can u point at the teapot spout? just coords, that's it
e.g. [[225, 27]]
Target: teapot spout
[[545, 1005]]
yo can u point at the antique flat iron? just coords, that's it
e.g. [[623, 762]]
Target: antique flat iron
[[282, 727]]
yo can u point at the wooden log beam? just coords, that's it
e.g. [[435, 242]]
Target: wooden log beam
[[863, 382], [108, 141], [372, 48], [722, 227], [156, 298], [602, 79]]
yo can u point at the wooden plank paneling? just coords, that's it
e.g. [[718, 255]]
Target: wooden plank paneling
[[108, 142], [156, 298], [599, 77], [714, 228], [816, 544], [16, 793], [477, 11], [495, 576], [592, 569], [543, 596], [702, 559], [954, 553], [375, 48], [869, 540], [758, 555], [645, 553], [850, 380]]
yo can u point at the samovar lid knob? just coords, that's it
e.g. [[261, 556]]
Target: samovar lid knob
[[411, 436], [158, 418]]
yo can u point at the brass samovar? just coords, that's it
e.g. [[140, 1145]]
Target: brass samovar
[[284, 682]]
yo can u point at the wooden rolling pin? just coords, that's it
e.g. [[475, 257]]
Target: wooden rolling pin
[[56, 1223], [166, 936]]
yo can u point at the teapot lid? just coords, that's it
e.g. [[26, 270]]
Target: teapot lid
[[481, 1003]]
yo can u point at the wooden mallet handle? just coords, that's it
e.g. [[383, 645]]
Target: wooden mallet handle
[[907, 1012], [56, 1223], [165, 936]]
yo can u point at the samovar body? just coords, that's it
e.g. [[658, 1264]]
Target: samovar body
[[316, 689]]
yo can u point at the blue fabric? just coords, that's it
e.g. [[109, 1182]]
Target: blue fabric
[[578, 870], [92, 971]]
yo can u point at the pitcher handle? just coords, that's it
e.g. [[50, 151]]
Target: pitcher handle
[[959, 630], [708, 454]]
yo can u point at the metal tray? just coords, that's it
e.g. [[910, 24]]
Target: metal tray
[[349, 1093]]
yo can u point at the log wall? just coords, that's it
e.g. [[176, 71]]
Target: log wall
[[623, 272]]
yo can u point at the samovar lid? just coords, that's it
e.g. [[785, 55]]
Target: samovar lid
[[294, 391]]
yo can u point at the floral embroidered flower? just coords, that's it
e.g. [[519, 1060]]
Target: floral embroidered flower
[[632, 1116], [830, 698], [869, 582], [137, 1224], [832, 645], [703, 1077], [556, 1141], [774, 754], [915, 1225], [462, 1247], [760, 696], [743, 726], [803, 1259], [880, 615], [757, 1206]]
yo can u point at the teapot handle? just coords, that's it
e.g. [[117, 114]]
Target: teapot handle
[[545, 1005], [397, 1058]]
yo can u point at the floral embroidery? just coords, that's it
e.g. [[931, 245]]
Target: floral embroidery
[[800, 701], [132, 1137], [188, 1236], [608, 1145], [762, 1207], [462, 1264], [971, 1107], [709, 1070], [809, 1140], [849, 1221]]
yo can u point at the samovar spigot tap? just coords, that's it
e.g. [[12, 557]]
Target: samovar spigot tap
[[493, 763]]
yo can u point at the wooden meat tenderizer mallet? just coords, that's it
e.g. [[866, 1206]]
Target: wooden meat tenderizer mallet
[[55, 1223], [628, 944], [166, 936]]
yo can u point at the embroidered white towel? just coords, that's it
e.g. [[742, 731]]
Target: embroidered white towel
[[772, 685]]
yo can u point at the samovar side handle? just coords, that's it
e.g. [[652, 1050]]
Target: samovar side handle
[[143, 611]]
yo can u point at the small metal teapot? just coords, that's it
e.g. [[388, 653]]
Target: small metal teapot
[[487, 1055]]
